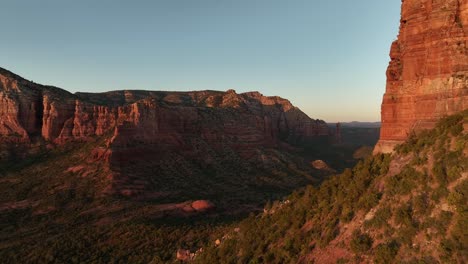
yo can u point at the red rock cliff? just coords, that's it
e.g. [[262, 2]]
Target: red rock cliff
[[428, 73], [34, 114]]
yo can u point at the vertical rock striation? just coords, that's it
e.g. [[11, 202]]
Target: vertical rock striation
[[428, 73]]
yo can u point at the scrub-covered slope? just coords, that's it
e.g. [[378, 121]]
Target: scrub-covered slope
[[133, 175], [401, 208]]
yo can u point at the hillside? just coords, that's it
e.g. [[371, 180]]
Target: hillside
[[407, 207]]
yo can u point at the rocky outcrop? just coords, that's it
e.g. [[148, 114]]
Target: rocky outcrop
[[321, 165], [198, 206], [428, 73]]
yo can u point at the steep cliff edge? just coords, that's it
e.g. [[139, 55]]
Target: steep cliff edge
[[428, 73]]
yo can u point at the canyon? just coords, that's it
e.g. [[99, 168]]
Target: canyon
[[427, 77], [224, 177], [131, 157], [159, 145]]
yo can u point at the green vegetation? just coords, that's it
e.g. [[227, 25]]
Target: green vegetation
[[404, 182], [380, 218], [70, 201], [418, 211], [385, 253], [406, 205], [360, 243], [135, 242], [311, 219]]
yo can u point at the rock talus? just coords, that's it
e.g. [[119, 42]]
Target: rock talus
[[427, 77]]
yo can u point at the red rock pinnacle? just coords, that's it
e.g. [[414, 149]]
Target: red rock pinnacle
[[428, 73]]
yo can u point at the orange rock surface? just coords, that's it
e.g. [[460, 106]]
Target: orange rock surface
[[35, 114], [202, 205], [428, 73]]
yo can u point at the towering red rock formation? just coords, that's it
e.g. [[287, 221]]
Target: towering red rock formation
[[428, 73]]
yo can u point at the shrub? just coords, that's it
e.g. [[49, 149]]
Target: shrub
[[420, 204], [369, 200], [341, 261], [347, 215], [419, 159], [385, 253], [380, 218], [439, 193], [439, 223], [404, 182], [459, 234], [360, 243], [447, 246], [406, 234], [403, 216], [456, 129], [455, 199]]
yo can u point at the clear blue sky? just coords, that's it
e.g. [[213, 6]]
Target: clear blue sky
[[327, 56]]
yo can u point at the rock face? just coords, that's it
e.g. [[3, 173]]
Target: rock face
[[428, 73], [30, 112]]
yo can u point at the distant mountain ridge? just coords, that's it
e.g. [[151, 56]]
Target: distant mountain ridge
[[358, 124]]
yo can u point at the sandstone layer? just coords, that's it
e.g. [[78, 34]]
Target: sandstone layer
[[428, 73], [31, 112]]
